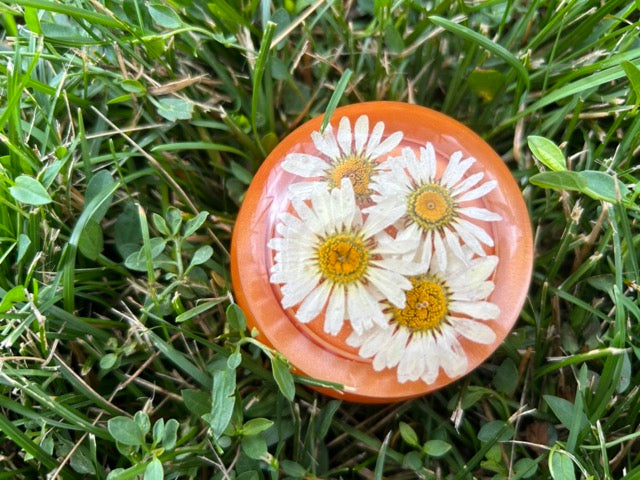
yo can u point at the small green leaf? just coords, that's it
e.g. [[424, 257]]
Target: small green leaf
[[222, 401], [196, 401], [30, 191], [174, 219], [547, 152], [234, 360], [292, 469], [525, 468], [52, 170], [254, 446], [13, 296], [133, 86], [283, 378], [154, 470], [197, 310], [602, 186], [408, 434], [91, 240], [164, 16], [125, 431], [170, 436], [633, 73], [193, 224], [624, 380], [506, 378], [241, 173], [24, 242], [202, 255], [436, 448], [561, 466], [495, 431], [108, 361], [158, 431], [161, 224], [255, 426], [236, 318], [99, 182], [486, 83], [413, 460], [564, 411], [566, 180], [142, 419], [392, 39], [174, 109]]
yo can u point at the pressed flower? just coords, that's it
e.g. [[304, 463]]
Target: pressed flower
[[349, 154], [442, 306], [433, 209], [327, 255]]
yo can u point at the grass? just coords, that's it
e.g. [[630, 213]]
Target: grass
[[129, 132]]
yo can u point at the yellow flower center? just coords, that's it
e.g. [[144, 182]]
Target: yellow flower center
[[426, 305], [356, 168], [431, 206], [343, 258]]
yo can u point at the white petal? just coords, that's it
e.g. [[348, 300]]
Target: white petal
[[454, 244], [466, 184], [314, 303], [326, 143], [455, 176], [468, 239], [304, 190], [474, 331], [356, 339], [334, 315], [374, 138], [417, 171], [427, 251], [380, 218], [389, 143], [455, 363], [480, 269], [376, 342], [480, 214], [363, 309], [308, 216], [294, 293], [452, 170], [390, 284], [431, 362], [475, 230], [479, 291], [409, 368], [397, 347], [477, 310], [481, 191], [403, 244], [428, 158], [304, 165], [361, 132], [440, 252], [398, 266], [344, 135]]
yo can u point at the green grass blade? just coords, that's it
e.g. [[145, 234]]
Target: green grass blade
[[479, 39]]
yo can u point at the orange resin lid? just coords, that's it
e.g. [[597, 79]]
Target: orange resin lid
[[390, 253]]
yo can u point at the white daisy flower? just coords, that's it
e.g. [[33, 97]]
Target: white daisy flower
[[349, 154], [442, 306], [431, 208], [327, 256]]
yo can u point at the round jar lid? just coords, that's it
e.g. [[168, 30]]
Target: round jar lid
[[390, 253]]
